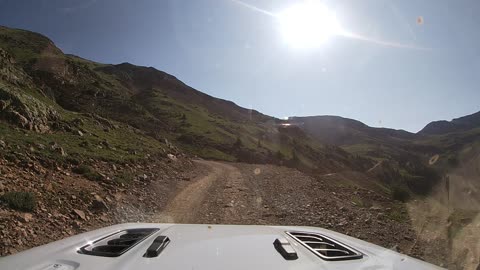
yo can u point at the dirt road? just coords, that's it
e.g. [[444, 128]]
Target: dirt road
[[234, 193], [186, 205]]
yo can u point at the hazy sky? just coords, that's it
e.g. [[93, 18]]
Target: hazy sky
[[229, 51]]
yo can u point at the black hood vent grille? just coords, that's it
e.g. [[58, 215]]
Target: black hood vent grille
[[325, 247], [118, 243]]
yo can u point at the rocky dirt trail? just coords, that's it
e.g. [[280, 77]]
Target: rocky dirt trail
[[233, 193], [185, 205]]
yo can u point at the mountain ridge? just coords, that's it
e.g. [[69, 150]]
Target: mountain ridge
[[463, 123], [338, 130], [159, 105], [94, 102], [459, 121]]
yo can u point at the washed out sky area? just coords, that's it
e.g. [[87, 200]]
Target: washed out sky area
[[392, 63]]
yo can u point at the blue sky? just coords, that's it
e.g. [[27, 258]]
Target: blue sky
[[232, 52]]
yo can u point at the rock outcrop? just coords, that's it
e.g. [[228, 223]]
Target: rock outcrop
[[18, 107]]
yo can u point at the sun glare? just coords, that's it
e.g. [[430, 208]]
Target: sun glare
[[308, 24]]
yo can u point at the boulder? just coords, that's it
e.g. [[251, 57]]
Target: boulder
[[98, 204], [26, 111], [40, 146], [80, 214], [57, 148], [25, 217]]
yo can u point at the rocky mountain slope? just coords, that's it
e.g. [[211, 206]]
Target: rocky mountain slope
[[83, 109], [337, 130], [90, 110], [148, 102], [460, 124]]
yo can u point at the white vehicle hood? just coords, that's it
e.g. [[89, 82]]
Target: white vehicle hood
[[207, 247]]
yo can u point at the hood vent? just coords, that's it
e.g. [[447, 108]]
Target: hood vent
[[325, 247], [118, 243]]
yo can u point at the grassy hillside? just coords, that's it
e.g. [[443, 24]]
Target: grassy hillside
[[33, 125], [405, 161], [149, 104]]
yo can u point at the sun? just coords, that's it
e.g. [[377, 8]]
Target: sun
[[308, 24]]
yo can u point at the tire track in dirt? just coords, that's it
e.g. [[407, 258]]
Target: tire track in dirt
[[232, 201], [186, 205]]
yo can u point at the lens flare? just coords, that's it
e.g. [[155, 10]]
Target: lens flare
[[308, 24]]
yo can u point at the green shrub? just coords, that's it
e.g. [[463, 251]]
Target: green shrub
[[94, 176], [88, 172], [398, 215], [20, 200], [82, 169], [73, 160], [124, 178], [359, 201], [400, 193]]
